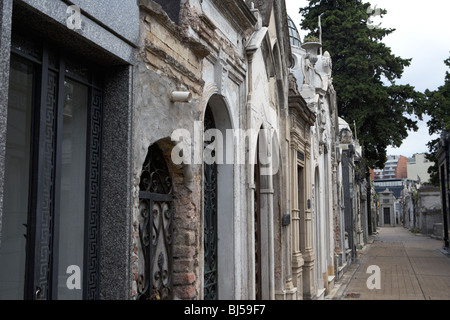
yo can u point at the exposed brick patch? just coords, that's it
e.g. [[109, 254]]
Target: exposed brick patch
[[185, 292]]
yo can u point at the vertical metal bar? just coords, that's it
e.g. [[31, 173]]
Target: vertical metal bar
[[58, 166], [31, 220], [151, 250], [45, 183]]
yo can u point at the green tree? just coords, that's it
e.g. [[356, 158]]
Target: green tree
[[364, 75], [437, 106]]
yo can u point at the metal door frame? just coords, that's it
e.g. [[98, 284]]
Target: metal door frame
[[45, 168]]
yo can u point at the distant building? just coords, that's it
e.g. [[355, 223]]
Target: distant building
[[394, 185], [387, 208], [401, 168], [417, 167], [394, 168]]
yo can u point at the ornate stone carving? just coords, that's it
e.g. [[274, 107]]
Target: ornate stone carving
[[293, 86], [345, 136], [308, 70], [221, 73], [327, 63]]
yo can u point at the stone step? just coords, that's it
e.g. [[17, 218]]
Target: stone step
[[320, 294]]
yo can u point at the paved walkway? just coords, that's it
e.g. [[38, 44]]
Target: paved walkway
[[412, 267]]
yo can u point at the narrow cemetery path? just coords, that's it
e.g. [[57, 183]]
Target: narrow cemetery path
[[412, 267]]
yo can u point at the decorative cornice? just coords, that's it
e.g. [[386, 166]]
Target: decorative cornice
[[238, 12], [297, 104]]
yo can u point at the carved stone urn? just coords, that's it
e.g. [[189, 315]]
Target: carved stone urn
[[311, 49]]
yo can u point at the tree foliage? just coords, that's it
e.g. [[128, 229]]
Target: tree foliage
[[437, 106], [364, 75]]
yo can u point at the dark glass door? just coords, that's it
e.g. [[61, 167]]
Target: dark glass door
[[49, 247], [387, 216], [17, 178]]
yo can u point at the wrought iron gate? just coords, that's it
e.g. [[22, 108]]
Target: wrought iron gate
[[210, 220], [156, 228]]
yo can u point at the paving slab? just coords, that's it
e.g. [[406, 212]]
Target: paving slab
[[412, 267]]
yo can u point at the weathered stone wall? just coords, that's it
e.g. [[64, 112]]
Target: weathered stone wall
[[169, 61], [429, 208], [202, 53], [224, 27]]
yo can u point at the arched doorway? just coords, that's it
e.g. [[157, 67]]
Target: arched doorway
[[156, 228], [218, 206]]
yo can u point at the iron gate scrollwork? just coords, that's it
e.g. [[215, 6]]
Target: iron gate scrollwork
[[156, 228], [210, 286]]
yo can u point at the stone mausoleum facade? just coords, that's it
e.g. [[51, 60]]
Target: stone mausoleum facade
[[169, 150]]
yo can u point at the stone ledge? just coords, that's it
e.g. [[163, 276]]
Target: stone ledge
[[320, 294], [156, 11]]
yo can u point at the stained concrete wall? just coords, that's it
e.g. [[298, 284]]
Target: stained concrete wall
[[429, 208]]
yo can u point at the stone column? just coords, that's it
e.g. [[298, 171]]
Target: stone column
[[267, 242], [297, 259], [306, 244]]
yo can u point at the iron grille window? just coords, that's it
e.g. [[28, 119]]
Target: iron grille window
[[156, 228], [210, 220]]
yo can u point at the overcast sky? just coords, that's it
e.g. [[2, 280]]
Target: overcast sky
[[423, 34]]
